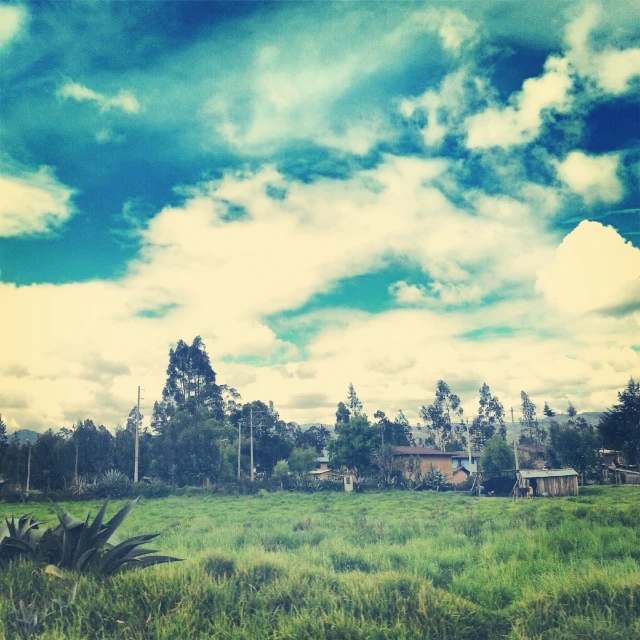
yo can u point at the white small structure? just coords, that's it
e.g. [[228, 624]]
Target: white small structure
[[348, 483]]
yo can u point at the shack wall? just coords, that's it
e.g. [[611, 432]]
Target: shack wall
[[558, 486]]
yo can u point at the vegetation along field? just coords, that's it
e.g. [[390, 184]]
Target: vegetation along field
[[377, 565]]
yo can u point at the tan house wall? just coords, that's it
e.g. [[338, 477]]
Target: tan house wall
[[442, 462]]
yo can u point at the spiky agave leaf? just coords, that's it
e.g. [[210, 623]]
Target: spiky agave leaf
[[21, 537], [129, 555]]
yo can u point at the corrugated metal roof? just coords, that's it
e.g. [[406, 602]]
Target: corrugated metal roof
[[420, 451], [546, 473], [322, 459]]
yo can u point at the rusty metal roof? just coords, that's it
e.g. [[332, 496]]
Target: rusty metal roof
[[546, 473], [420, 451]]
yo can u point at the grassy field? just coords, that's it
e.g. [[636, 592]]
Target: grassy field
[[389, 565]]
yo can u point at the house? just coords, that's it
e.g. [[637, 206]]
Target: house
[[626, 476], [460, 460], [534, 454], [549, 482], [322, 463], [460, 475], [326, 474], [427, 459]]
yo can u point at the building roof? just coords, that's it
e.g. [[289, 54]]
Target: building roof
[[546, 473], [532, 448], [322, 459], [461, 470], [419, 451], [465, 454]]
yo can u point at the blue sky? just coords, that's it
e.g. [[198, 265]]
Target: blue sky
[[379, 193]]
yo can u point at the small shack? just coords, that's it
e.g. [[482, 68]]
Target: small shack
[[626, 476], [549, 482]]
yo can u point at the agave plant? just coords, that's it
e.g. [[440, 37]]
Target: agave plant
[[78, 544], [83, 542], [19, 538]]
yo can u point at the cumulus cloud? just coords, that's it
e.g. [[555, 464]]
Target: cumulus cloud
[[124, 100], [595, 178], [594, 270], [12, 20], [522, 121], [33, 203], [405, 293], [610, 69]]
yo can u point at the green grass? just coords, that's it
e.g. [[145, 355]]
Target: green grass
[[389, 565]]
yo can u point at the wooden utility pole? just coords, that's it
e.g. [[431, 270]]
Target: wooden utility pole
[[515, 446], [469, 444], [239, 440], [75, 437], [29, 468], [137, 449], [251, 428]]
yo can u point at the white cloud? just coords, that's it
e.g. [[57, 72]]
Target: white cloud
[[124, 100], [443, 108], [33, 203], [12, 20], [595, 178], [611, 69], [219, 279], [407, 293], [522, 121], [594, 270]]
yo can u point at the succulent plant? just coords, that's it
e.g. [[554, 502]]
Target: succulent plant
[[78, 544]]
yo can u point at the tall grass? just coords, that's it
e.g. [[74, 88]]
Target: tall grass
[[389, 565]]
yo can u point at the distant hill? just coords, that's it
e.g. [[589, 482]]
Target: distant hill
[[24, 436], [591, 417], [305, 427]]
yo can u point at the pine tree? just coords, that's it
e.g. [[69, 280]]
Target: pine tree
[[354, 402]]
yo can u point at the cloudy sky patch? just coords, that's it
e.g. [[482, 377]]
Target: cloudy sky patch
[[382, 194]]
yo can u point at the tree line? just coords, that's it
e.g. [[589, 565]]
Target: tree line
[[198, 427]]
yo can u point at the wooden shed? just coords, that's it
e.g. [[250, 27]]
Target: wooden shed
[[549, 482], [627, 476]]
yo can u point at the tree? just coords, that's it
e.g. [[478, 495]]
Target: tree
[[280, 472], [490, 419], [497, 456], [532, 431], [619, 427], [438, 417], [355, 445], [548, 411], [191, 382], [316, 436], [301, 461], [571, 410], [342, 414], [574, 445], [354, 402], [4, 441], [396, 433]]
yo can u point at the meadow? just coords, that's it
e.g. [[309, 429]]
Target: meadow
[[379, 565]]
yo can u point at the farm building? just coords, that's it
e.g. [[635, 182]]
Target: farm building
[[460, 460], [533, 454], [549, 482], [427, 458], [627, 476]]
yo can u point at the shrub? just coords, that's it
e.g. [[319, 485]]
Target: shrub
[[78, 545]]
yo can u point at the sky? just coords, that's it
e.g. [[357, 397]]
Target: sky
[[378, 193]]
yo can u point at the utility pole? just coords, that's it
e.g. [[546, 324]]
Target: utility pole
[[137, 450], [515, 447], [251, 427], [239, 440], [29, 469], [469, 444]]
